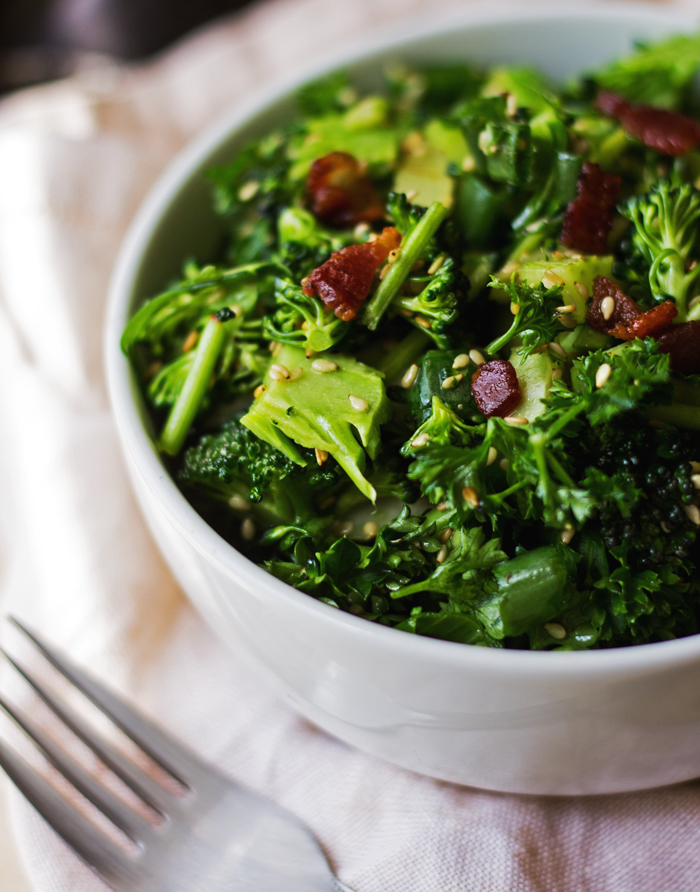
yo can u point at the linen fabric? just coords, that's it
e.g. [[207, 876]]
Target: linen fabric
[[76, 159]]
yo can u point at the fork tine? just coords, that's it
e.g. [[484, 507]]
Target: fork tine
[[164, 751], [150, 792], [86, 840], [123, 817]]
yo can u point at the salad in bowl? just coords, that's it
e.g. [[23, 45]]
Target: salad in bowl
[[443, 371]]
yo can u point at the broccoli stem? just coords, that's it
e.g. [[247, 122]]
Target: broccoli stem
[[407, 352], [681, 415], [190, 398], [410, 249]]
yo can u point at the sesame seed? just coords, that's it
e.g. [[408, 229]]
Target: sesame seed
[[695, 480], [556, 374], [384, 270], [442, 506], [445, 534], [567, 308], [442, 555], [476, 357], [408, 314], [558, 254], [551, 280], [559, 350], [695, 467], [555, 630], [436, 264], [411, 194], [514, 308], [259, 390], [324, 365], [567, 320], [248, 190], [607, 307], [602, 375], [423, 322], [239, 503], [370, 529], [511, 105], [470, 496], [693, 513], [468, 164], [296, 373], [360, 230], [460, 361], [511, 267], [665, 527], [567, 535], [420, 440], [409, 376], [484, 142], [458, 378], [304, 325], [394, 255], [503, 464], [190, 341], [582, 290], [448, 383], [308, 353], [516, 419], [275, 347], [321, 455], [278, 372], [358, 404], [492, 455], [248, 530]]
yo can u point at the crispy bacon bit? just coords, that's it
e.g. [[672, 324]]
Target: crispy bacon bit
[[495, 388], [624, 312], [339, 192], [589, 217], [682, 343], [648, 324], [664, 131], [345, 279]]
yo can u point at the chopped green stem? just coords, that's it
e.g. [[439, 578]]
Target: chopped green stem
[[563, 476], [188, 402], [410, 249], [498, 343], [408, 351], [681, 415]]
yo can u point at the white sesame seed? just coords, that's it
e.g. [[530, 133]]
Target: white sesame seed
[[582, 290], [558, 254], [436, 264], [468, 164], [409, 376], [550, 279], [296, 373], [190, 341], [358, 404], [516, 419], [248, 190], [393, 255], [567, 320], [383, 271], [370, 529], [695, 467], [695, 480], [567, 308], [476, 357], [275, 347], [420, 440], [445, 535], [607, 307], [279, 372], [559, 350], [239, 503], [308, 353], [259, 390], [442, 506], [511, 105], [442, 555], [470, 496], [555, 630], [324, 365], [511, 267], [484, 142], [460, 361], [408, 314], [491, 456], [665, 527], [514, 308], [248, 530], [360, 230], [321, 455], [602, 375], [567, 535], [693, 513], [503, 464], [556, 374], [448, 383], [423, 322], [411, 194]]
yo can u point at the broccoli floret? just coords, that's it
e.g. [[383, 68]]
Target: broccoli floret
[[665, 223], [434, 309], [323, 404], [303, 321], [304, 244]]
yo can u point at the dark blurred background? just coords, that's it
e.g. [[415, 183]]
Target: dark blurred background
[[44, 39]]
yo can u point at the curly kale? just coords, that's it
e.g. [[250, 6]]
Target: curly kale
[[434, 308]]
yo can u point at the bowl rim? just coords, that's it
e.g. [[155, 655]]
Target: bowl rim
[[608, 663]]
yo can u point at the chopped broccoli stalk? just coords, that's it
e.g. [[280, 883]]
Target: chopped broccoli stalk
[[302, 321], [535, 380], [499, 144], [411, 247], [434, 309], [665, 223], [423, 171], [314, 409]]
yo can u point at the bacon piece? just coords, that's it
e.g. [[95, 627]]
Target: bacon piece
[[495, 388], [664, 131], [682, 343], [344, 280], [625, 310], [589, 217], [340, 194], [648, 324]]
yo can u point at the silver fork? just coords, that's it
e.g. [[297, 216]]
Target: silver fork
[[210, 834]]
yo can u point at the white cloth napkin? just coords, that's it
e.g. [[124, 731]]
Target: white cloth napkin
[[75, 161]]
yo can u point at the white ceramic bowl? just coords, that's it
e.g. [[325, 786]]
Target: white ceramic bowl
[[516, 721]]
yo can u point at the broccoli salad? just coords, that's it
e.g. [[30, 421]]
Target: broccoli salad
[[445, 372]]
